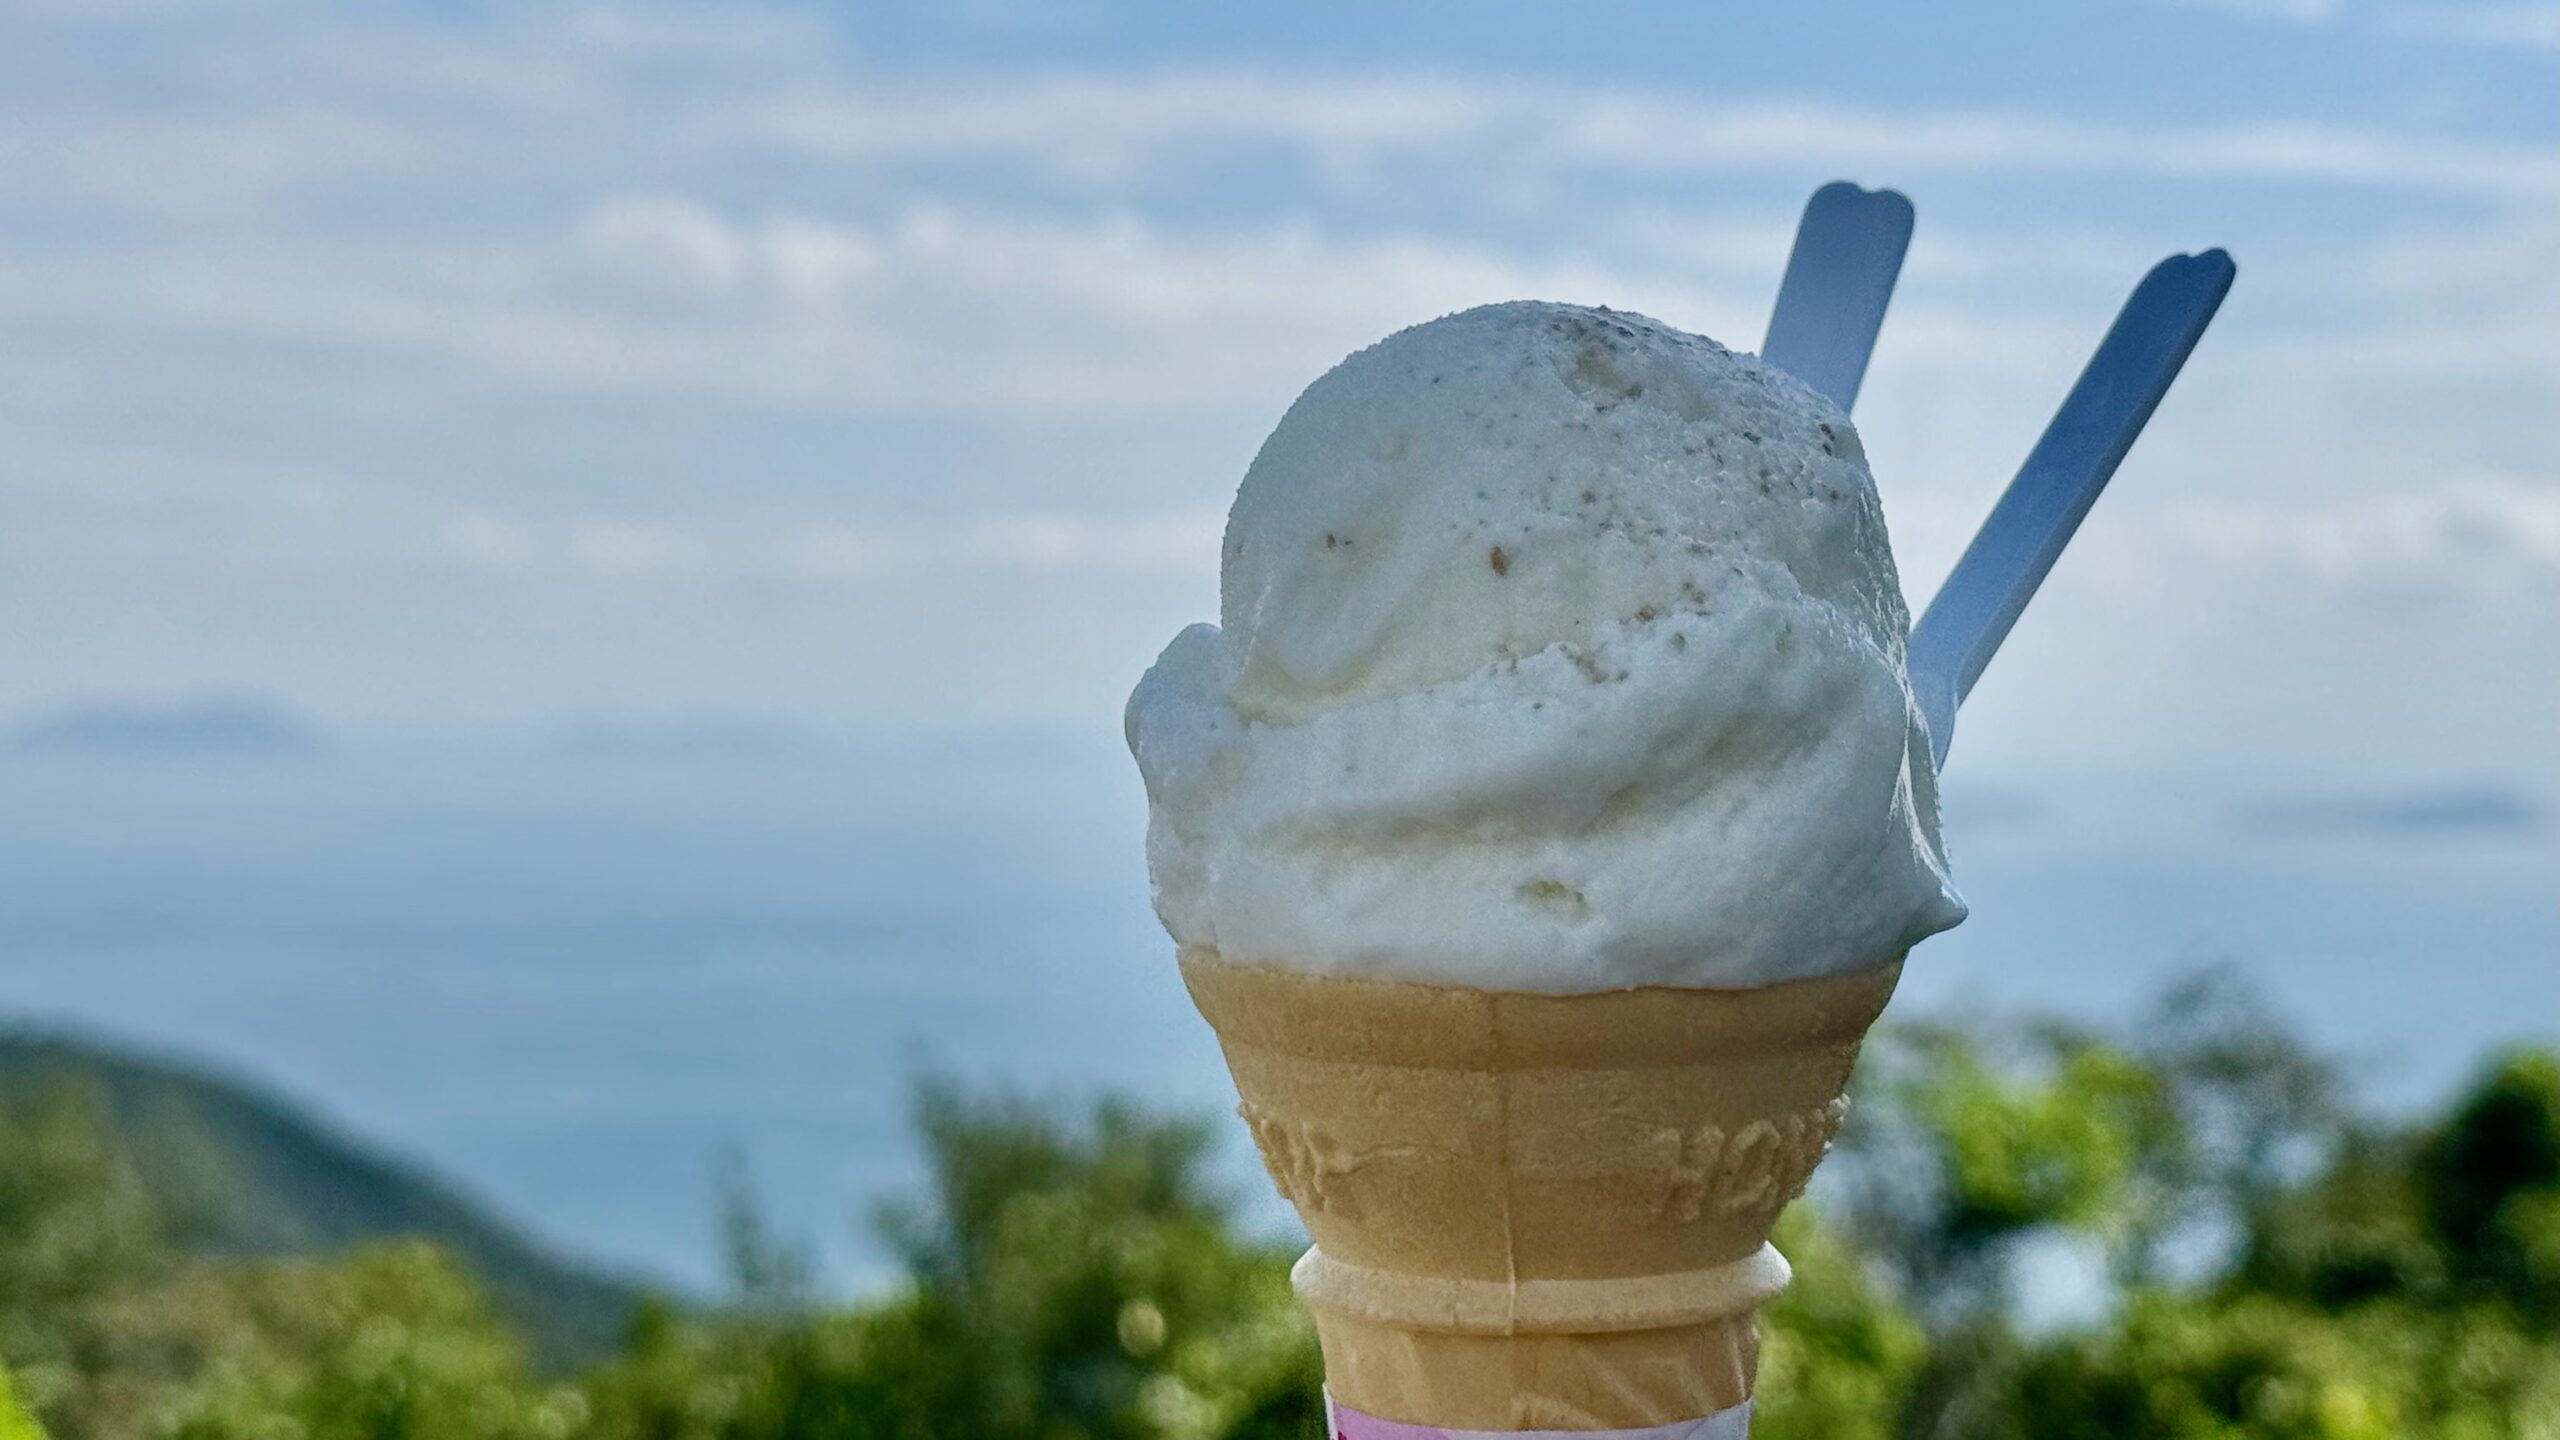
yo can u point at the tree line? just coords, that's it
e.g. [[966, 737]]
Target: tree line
[[2029, 1229]]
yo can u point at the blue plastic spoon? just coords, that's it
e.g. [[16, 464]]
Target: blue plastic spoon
[[2079, 452], [1848, 252]]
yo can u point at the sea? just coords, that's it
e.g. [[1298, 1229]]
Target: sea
[[587, 974]]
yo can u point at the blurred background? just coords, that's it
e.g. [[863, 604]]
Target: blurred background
[[569, 574]]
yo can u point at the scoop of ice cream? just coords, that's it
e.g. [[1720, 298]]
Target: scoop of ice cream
[[1559, 650]]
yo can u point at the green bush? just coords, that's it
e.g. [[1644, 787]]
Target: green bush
[[14, 1422], [1080, 1277], [1066, 1278]]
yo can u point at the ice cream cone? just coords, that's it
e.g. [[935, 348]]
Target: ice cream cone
[[1530, 1211]]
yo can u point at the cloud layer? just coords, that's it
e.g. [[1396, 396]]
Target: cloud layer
[[551, 361]]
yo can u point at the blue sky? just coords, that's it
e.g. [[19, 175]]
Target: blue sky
[[888, 367]]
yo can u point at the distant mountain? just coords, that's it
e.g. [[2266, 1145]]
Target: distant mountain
[[2442, 810], [236, 1172], [213, 725]]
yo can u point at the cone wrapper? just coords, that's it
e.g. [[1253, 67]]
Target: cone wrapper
[[1537, 1212]]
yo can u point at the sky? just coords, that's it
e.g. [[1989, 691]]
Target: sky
[[548, 382], [889, 367]]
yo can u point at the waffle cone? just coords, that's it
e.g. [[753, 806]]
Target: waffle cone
[[1537, 1212]]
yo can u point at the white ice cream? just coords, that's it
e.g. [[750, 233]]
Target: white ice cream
[[1562, 651]]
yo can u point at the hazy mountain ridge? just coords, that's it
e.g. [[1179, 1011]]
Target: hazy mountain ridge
[[236, 1171], [227, 725]]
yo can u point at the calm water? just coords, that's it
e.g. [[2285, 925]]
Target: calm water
[[574, 978]]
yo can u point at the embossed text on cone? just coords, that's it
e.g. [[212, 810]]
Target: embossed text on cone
[[1537, 1211]]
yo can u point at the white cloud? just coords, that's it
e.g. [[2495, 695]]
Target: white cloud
[[621, 549], [2297, 12], [657, 239], [929, 310], [1182, 543], [537, 95], [1089, 544], [2531, 26], [2487, 534], [2493, 24], [496, 348], [488, 541], [891, 548], [836, 552], [1105, 129]]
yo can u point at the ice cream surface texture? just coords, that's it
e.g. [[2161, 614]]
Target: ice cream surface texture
[[1559, 650]]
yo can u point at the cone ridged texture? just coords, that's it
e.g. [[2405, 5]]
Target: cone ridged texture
[[1537, 1211]]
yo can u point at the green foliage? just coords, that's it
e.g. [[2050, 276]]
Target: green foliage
[[1083, 1277], [2258, 1366], [1837, 1351], [15, 1424], [75, 1233], [2369, 1280], [2021, 1154], [2278, 1269], [2489, 1184], [1967, 1141], [390, 1342], [231, 1171], [1065, 1278], [74, 1210]]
